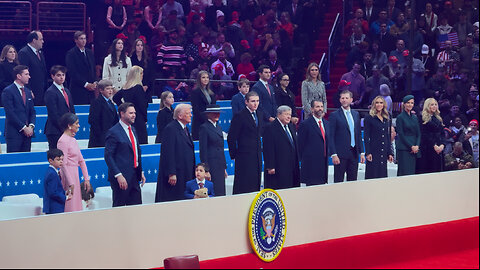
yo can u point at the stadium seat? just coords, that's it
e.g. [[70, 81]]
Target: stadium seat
[[19, 210], [148, 193], [24, 199], [182, 262]]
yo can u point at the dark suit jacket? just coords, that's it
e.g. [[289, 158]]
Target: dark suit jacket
[[192, 185], [244, 143], [281, 155], [101, 118], [56, 108], [6, 76], [238, 103], [17, 114], [119, 155], [177, 157], [212, 146], [54, 195], [38, 72], [268, 105], [339, 132], [311, 148], [81, 70], [199, 105]]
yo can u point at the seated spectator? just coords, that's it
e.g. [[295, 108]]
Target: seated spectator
[[454, 132], [222, 45], [367, 65], [358, 20], [382, 19], [458, 159], [172, 22], [357, 86], [199, 187], [472, 112], [179, 90], [356, 54], [246, 67], [399, 53], [447, 57], [273, 63], [396, 74], [356, 38], [379, 57], [171, 56], [471, 140], [227, 67], [172, 5], [287, 25], [400, 27], [431, 18]]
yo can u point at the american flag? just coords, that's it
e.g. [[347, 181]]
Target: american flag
[[453, 37]]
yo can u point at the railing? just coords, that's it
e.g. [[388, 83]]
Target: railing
[[324, 69], [61, 17], [334, 41], [15, 16]]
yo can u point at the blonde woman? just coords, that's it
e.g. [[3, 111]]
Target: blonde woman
[[165, 114], [377, 139], [201, 97], [135, 93], [117, 65], [432, 142], [313, 89]]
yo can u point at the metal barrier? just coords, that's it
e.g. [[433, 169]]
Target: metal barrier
[[15, 16], [61, 16]]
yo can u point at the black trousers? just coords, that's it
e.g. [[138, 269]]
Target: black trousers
[[348, 166], [131, 196], [53, 140], [19, 145]]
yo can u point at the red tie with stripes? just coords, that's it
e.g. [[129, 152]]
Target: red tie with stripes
[[66, 97], [132, 139]]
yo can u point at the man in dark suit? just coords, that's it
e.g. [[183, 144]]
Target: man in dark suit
[[266, 92], [212, 148], [32, 57], [103, 114], [346, 144], [245, 147], [177, 157], [313, 146], [81, 68], [371, 11], [280, 152], [123, 158], [19, 112], [58, 100]]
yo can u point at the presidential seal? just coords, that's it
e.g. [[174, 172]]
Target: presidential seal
[[267, 225]]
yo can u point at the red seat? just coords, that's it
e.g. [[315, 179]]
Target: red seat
[[182, 262]]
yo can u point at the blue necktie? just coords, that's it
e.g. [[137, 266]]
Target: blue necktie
[[352, 128], [288, 134], [256, 118]]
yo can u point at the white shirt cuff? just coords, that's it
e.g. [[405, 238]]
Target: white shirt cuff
[[117, 175]]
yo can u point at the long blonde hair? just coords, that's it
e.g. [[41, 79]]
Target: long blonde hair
[[308, 77], [134, 77], [199, 81], [163, 98], [373, 110], [3, 55], [426, 115]]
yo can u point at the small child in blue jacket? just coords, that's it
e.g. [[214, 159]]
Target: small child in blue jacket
[[54, 197], [199, 187]]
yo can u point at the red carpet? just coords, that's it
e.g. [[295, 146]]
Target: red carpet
[[445, 245]]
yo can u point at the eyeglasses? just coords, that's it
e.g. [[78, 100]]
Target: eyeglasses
[[285, 80]]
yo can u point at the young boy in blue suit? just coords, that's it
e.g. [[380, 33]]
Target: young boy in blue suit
[[54, 197], [199, 187]]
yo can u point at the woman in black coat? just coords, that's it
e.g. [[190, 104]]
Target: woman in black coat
[[377, 140], [139, 57], [212, 149], [200, 98], [165, 114], [8, 60], [433, 141], [283, 96], [134, 92]]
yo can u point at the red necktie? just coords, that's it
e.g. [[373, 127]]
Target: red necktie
[[24, 96], [323, 135], [132, 139], [200, 185], [38, 55], [268, 89], [66, 97]]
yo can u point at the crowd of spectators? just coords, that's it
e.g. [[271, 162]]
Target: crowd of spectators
[[444, 54]]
